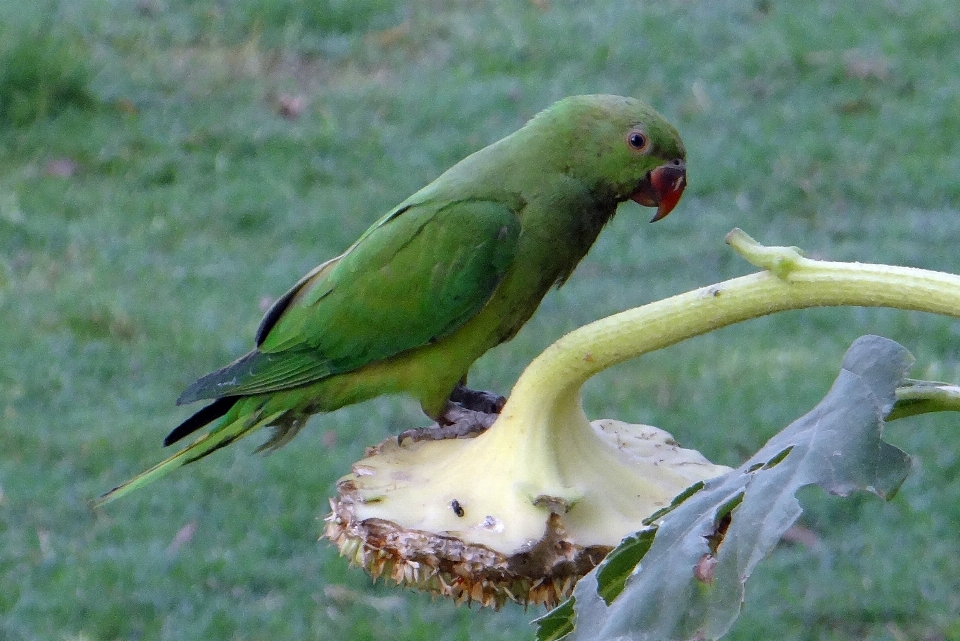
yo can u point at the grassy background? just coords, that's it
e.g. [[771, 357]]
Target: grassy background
[[152, 198]]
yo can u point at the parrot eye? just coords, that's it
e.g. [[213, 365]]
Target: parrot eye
[[637, 141]]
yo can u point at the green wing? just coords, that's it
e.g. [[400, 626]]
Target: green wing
[[416, 276]]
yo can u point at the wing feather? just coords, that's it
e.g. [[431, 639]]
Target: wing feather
[[416, 276]]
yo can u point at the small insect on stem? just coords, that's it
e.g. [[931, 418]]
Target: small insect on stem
[[457, 508]]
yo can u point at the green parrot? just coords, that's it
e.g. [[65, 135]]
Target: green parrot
[[454, 270]]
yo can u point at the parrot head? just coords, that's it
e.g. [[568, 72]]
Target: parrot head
[[622, 149]]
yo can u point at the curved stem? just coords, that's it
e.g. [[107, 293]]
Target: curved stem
[[922, 397], [790, 281]]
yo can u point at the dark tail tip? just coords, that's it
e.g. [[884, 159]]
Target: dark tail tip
[[210, 413]]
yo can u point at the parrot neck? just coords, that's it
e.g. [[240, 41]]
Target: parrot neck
[[583, 233]]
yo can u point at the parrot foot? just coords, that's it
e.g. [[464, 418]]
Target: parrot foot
[[456, 422], [477, 400]]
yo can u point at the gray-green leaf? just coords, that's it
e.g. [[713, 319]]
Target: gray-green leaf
[[689, 584]]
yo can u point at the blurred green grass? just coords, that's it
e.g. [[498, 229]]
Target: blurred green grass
[[152, 197]]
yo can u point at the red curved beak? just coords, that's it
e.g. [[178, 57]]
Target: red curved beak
[[662, 188]]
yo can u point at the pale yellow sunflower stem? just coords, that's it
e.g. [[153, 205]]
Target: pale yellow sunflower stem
[[790, 281]]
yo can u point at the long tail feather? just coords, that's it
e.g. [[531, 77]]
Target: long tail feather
[[208, 414], [221, 436]]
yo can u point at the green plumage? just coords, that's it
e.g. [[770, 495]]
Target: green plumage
[[452, 271]]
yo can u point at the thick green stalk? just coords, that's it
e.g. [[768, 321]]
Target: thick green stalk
[[922, 397], [790, 281]]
